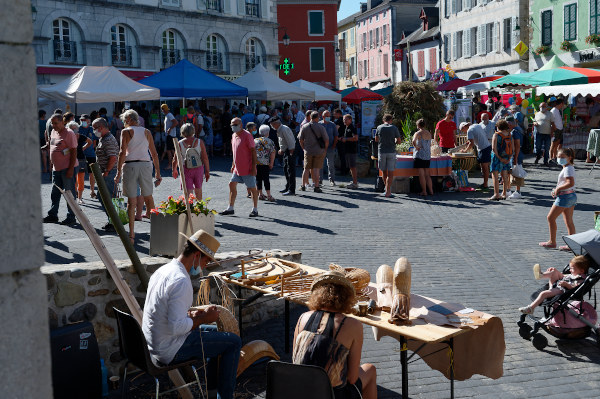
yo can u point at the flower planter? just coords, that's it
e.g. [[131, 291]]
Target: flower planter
[[164, 232]]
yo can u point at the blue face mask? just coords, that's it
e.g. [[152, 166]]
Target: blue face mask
[[562, 161], [327, 119], [195, 270]]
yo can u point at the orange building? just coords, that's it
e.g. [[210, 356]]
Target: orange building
[[307, 40]]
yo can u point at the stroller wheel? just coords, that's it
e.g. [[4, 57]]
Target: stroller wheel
[[539, 341], [525, 331]]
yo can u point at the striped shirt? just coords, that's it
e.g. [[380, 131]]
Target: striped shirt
[[107, 147]]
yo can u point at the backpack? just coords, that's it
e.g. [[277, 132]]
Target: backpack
[[505, 144], [192, 156], [207, 126]]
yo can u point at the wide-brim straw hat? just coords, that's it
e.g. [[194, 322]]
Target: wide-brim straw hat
[[332, 277], [206, 243]]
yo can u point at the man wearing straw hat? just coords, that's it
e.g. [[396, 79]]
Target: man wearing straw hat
[[174, 332]]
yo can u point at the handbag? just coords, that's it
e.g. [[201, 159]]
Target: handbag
[[319, 139], [120, 206]]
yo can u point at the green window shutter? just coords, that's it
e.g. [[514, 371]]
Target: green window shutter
[[315, 22], [570, 18], [317, 59], [594, 17], [547, 28]]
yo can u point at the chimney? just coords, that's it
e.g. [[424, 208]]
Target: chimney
[[363, 7]]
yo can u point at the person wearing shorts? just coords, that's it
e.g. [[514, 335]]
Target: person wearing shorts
[[387, 136], [243, 167], [193, 176], [349, 139], [478, 137], [314, 154], [558, 106], [422, 157]]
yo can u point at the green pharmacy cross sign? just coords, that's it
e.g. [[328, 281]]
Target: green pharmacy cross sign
[[287, 66]]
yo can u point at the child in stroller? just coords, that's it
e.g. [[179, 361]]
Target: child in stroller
[[558, 282]]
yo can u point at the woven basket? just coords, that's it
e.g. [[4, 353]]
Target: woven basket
[[226, 322], [359, 277], [253, 351]]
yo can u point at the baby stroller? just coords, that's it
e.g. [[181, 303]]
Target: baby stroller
[[568, 316]]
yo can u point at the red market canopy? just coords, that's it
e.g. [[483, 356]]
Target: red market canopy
[[452, 85], [359, 95]]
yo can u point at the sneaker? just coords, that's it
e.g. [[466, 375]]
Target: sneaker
[[68, 222], [515, 195], [253, 214], [50, 219], [80, 201], [537, 273], [108, 227], [227, 212], [288, 193], [508, 193], [537, 159], [284, 190], [318, 190], [331, 183], [526, 310], [302, 188]]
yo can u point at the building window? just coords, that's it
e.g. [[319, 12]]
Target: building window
[[120, 47], [351, 37], [371, 67], [316, 26], [214, 5], [253, 8], [376, 17], [459, 44], [571, 21], [459, 6], [317, 59], [215, 61], [371, 41], [65, 47], [432, 60], [254, 53], [172, 3], [446, 8], [473, 41], [365, 69], [171, 48], [379, 65], [547, 28], [376, 37], [594, 17], [447, 49], [507, 35], [489, 37], [364, 41], [385, 34], [421, 64], [360, 71], [345, 40]]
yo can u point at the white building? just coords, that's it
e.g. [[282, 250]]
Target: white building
[[479, 36]]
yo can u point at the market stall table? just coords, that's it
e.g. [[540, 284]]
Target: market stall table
[[471, 343], [439, 166]]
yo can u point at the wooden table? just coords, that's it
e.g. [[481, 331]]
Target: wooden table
[[420, 331], [439, 166]]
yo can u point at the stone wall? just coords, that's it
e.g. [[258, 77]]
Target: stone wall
[[86, 292]]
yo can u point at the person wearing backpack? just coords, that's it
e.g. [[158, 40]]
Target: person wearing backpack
[[195, 160], [502, 154]]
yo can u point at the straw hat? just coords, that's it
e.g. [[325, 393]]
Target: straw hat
[[165, 107], [206, 243], [332, 277]]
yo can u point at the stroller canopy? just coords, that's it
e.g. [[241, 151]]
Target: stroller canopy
[[585, 243]]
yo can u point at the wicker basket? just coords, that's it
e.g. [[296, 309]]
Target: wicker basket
[[226, 322], [253, 351], [360, 278]]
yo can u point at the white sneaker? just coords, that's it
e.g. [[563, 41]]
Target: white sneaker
[[526, 310], [515, 195], [508, 193]]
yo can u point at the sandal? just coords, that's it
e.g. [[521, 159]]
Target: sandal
[[262, 197], [546, 244], [93, 194], [270, 198], [564, 248], [495, 198]]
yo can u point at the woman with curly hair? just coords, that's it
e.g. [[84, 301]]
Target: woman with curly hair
[[325, 337]]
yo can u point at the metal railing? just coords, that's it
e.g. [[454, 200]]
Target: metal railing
[[252, 61], [252, 9], [121, 55], [214, 5], [214, 62], [65, 51], [170, 57]]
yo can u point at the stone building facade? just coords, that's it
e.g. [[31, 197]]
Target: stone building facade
[[141, 37]]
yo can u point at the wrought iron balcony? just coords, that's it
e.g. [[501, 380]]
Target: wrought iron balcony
[[65, 51], [252, 9], [252, 61], [121, 55], [215, 5], [170, 57], [214, 62]]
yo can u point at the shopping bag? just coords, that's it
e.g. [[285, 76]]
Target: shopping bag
[[120, 206], [518, 171], [462, 178]]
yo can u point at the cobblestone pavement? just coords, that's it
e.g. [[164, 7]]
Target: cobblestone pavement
[[463, 248]]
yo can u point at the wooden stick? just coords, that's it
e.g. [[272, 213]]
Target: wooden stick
[[122, 286], [183, 186], [243, 263]]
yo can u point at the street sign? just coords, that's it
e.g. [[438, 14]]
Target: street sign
[[521, 48]]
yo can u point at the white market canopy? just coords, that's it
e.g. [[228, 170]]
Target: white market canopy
[[321, 93], [592, 89], [92, 84], [263, 85]]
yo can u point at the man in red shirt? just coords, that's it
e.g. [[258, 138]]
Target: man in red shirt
[[445, 132], [243, 168]]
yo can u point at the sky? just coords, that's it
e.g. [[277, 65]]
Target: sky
[[347, 8]]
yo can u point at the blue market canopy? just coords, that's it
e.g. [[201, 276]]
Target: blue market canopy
[[186, 80]]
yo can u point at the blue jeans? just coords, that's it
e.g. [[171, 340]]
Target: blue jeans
[[542, 140], [221, 349], [110, 186], [60, 179], [330, 158]]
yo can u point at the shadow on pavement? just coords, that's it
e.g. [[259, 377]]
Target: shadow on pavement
[[243, 229], [288, 223]]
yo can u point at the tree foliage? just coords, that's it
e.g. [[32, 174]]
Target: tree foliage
[[414, 100]]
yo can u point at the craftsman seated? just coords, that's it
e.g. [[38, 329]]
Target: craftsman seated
[[325, 337], [176, 334]]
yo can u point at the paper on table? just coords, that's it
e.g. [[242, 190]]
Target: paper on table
[[466, 311]]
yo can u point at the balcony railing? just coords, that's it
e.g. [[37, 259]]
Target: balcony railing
[[252, 61], [170, 57], [121, 55], [65, 51], [214, 5], [252, 10], [214, 62]]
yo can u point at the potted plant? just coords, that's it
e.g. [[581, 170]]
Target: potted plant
[[566, 46], [406, 126], [542, 50], [170, 218], [593, 39]]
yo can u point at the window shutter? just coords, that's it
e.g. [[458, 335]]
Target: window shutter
[[479, 40], [454, 6], [454, 46], [465, 44], [385, 65], [432, 60], [264, 9], [227, 6], [241, 7], [421, 57]]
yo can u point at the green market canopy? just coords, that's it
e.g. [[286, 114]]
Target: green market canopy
[[550, 77]]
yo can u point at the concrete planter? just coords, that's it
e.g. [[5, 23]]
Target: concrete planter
[[164, 232]]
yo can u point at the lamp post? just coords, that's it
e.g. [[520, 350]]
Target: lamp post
[[33, 13], [285, 39]]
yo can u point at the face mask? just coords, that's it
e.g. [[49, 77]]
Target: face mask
[[562, 161], [327, 118], [83, 124], [97, 133], [235, 128], [195, 270]]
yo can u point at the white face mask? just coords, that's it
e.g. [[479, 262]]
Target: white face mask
[[235, 128], [98, 133]]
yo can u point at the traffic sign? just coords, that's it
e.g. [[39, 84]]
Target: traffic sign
[[521, 48]]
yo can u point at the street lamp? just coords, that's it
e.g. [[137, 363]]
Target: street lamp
[[33, 13], [286, 38]]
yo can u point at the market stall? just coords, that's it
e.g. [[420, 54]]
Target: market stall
[[263, 85], [321, 93]]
